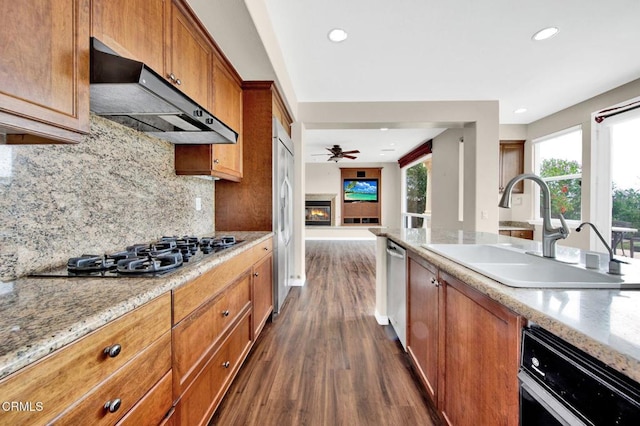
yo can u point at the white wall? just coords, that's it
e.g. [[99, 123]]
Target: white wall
[[325, 178], [445, 179]]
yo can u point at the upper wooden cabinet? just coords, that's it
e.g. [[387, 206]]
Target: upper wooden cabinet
[[167, 36], [44, 71], [132, 28], [189, 55], [220, 160], [511, 164]]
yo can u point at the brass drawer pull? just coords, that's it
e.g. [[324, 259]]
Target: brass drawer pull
[[226, 364], [225, 313]]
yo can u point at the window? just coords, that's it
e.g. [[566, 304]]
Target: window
[[416, 196], [558, 161]]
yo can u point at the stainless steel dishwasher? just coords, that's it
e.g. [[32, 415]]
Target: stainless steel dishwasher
[[397, 290]]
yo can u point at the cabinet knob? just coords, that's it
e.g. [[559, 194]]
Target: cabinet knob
[[255, 274], [226, 364], [265, 248], [178, 82], [435, 282], [216, 161], [172, 77], [225, 313], [112, 351], [113, 405]]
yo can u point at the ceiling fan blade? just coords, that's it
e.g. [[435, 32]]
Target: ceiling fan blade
[[355, 151], [331, 150], [319, 154], [349, 156]]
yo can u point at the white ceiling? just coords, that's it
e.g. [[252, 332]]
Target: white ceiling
[[424, 50]]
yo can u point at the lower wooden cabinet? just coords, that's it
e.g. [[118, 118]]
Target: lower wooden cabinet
[[217, 318], [198, 403], [478, 384], [262, 293], [526, 234], [423, 341], [464, 346], [152, 409], [118, 363]]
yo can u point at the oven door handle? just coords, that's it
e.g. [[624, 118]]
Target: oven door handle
[[548, 401]]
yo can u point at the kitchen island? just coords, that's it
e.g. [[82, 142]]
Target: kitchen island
[[603, 323]]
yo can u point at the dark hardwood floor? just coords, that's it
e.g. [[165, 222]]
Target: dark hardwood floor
[[325, 360]]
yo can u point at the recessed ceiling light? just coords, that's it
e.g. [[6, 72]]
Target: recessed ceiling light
[[337, 35], [545, 33], [520, 110]]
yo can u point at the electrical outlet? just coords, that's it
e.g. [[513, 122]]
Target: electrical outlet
[[198, 204]]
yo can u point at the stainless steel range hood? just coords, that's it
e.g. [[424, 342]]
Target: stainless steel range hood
[[132, 94]]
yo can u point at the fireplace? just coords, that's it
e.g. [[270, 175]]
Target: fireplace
[[317, 213]]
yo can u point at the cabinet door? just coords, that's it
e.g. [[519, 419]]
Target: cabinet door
[[188, 58], [227, 101], [478, 382], [262, 293], [133, 28], [511, 164], [423, 331], [44, 70]]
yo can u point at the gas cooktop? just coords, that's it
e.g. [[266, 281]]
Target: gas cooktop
[[143, 260]]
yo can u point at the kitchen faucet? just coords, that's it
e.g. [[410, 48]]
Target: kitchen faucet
[[550, 235], [614, 264]]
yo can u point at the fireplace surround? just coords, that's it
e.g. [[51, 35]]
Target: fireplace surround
[[320, 209]]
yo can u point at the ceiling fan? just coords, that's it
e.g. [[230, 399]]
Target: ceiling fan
[[337, 153]]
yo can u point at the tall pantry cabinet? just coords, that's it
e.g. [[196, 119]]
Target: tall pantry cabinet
[[253, 195]]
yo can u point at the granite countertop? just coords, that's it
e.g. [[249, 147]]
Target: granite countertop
[[515, 226], [603, 323], [41, 315]]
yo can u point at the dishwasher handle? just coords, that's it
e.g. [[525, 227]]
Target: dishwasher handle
[[394, 253]]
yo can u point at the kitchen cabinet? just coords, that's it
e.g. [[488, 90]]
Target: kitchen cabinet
[[423, 316], [526, 234], [44, 71], [214, 329], [511, 164], [219, 160], [169, 38], [478, 381], [254, 195], [189, 54], [464, 346], [117, 364], [132, 28], [262, 291]]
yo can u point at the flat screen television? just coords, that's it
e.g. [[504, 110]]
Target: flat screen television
[[360, 190]]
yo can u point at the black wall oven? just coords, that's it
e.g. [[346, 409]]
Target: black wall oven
[[561, 385]]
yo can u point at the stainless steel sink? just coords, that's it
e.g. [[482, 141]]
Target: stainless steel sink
[[516, 268]]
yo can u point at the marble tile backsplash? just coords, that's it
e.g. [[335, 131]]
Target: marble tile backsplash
[[117, 187]]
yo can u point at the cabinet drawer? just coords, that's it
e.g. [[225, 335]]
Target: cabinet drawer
[[190, 296], [151, 409], [195, 337], [64, 376], [527, 235], [124, 388], [202, 397]]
